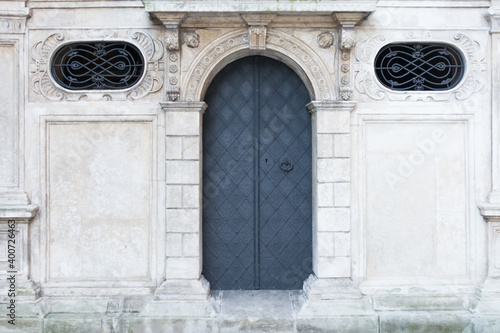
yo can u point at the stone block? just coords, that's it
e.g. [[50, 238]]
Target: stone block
[[191, 196], [174, 244], [342, 244], [423, 322], [70, 323], [342, 219], [334, 170], [325, 244], [174, 196], [342, 145], [191, 245], [325, 219], [191, 148], [335, 323], [342, 194], [183, 172], [182, 123], [325, 194], [172, 325], [174, 147], [334, 219], [333, 267], [183, 268], [325, 145], [183, 220], [333, 121]]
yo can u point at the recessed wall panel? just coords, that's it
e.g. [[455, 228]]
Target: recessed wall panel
[[99, 198], [415, 196], [8, 115]]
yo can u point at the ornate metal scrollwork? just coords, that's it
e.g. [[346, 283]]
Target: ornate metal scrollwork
[[99, 65], [419, 66]]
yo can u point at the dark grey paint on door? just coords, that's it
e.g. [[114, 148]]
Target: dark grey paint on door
[[257, 178]]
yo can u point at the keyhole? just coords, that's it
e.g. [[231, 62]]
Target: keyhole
[[266, 160]]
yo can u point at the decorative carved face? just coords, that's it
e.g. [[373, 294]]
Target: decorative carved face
[[192, 40], [325, 40]]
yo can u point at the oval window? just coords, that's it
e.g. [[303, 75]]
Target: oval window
[[97, 65], [419, 66]]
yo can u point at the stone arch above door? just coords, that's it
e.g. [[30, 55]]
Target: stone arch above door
[[279, 45]]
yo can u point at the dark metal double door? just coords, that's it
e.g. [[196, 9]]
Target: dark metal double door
[[257, 178]]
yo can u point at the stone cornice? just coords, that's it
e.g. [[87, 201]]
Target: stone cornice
[[490, 211], [237, 6], [84, 4]]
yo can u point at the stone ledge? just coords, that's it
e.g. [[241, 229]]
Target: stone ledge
[[490, 211], [19, 213]]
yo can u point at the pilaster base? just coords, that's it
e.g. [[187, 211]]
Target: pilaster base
[[489, 297], [336, 304], [183, 290]]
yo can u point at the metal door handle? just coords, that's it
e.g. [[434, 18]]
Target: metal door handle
[[286, 166]]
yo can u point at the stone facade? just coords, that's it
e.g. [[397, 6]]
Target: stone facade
[[105, 186]]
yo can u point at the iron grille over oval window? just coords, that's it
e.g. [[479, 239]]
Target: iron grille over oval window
[[423, 66], [97, 65]]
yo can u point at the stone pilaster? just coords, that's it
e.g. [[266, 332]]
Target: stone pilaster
[[183, 203], [490, 288], [15, 206], [330, 291]]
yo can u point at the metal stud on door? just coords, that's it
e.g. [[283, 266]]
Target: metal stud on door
[[257, 178]]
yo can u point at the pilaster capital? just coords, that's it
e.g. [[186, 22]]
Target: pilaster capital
[[184, 106], [493, 15], [316, 106], [490, 211]]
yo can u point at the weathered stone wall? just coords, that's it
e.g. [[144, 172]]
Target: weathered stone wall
[[106, 187]]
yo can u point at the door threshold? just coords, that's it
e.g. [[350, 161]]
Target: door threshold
[[255, 305]]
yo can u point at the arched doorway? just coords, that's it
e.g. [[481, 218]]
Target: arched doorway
[[257, 206]]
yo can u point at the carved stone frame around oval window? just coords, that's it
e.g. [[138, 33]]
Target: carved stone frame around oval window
[[366, 82], [42, 82]]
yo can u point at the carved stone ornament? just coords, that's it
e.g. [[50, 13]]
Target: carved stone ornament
[[42, 83], [347, 39], [257, 37], [12, 24], [346, 93], [172, 39], [325, 40], [192, 40], [173, 94], [366, 82], [278, 41]]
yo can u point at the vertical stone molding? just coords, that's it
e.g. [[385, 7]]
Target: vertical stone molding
[[172, 23], [493, 15], [347, 22], [14, 203], [490, 289], [183, 202]]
